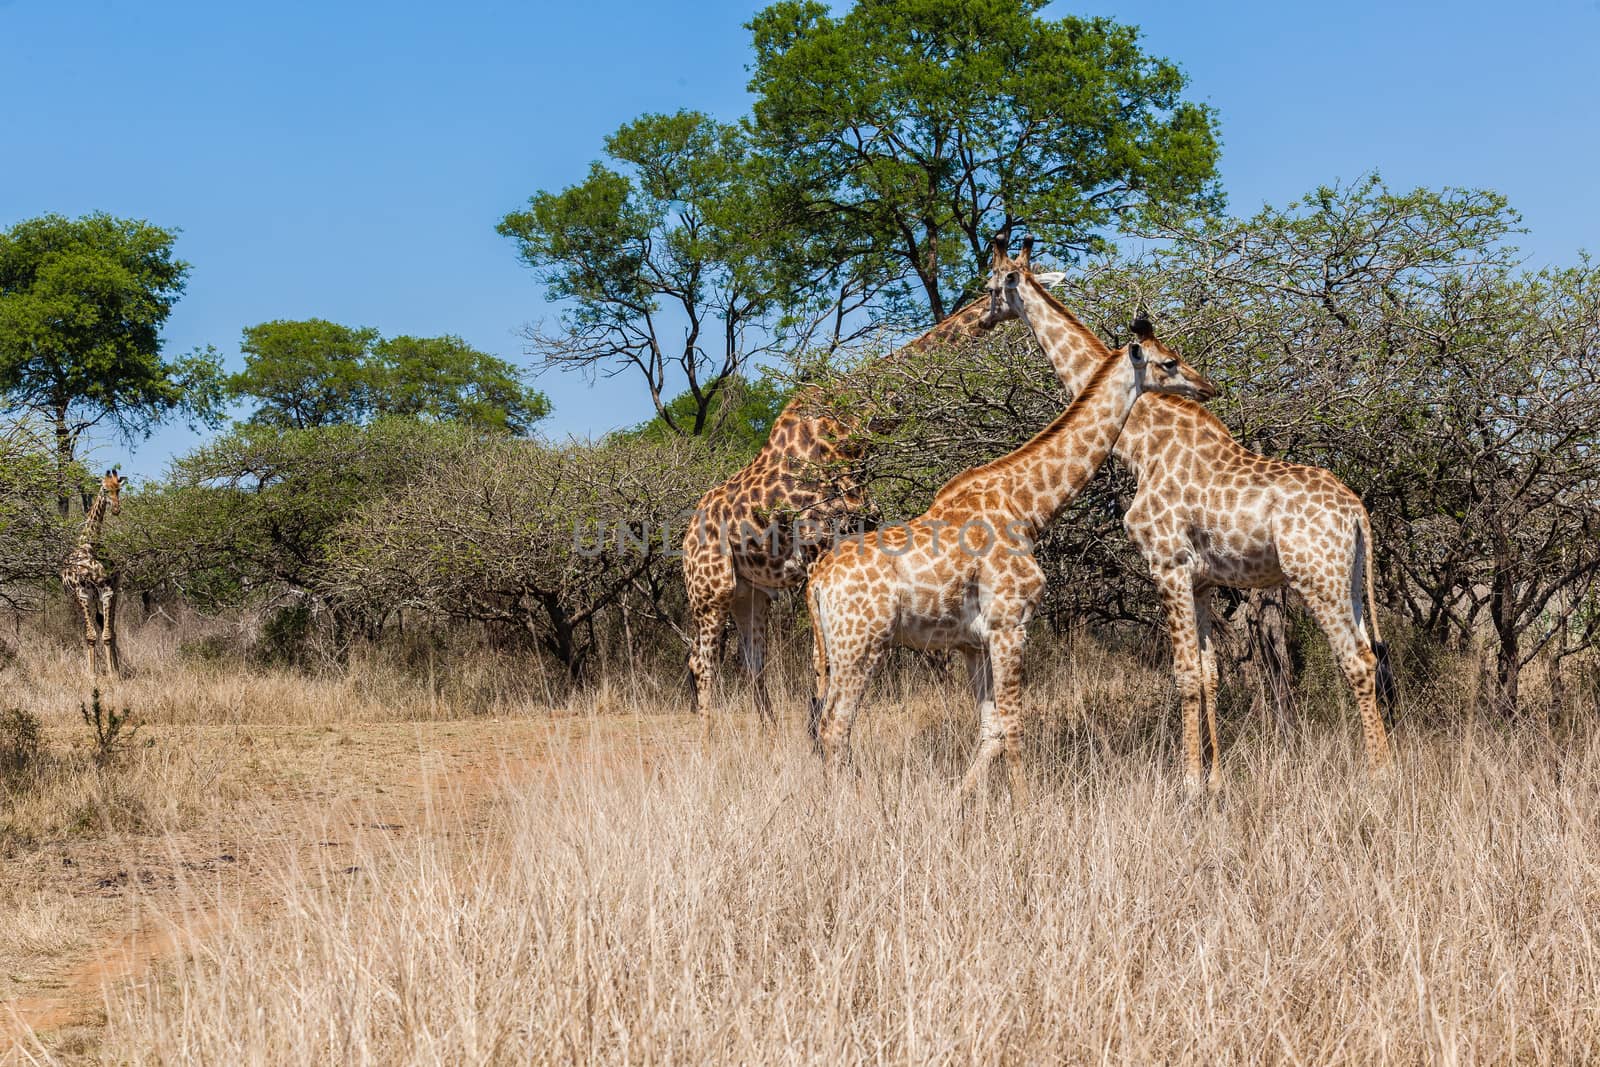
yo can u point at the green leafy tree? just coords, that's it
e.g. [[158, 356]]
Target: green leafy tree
[[82, 304], [312, 373], [671, 262], [444, 379], [910, 131], [307, 373]]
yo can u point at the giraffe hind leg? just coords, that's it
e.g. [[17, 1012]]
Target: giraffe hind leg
[[1360, 665], [1176, 588], [108, 630], [750, 605]]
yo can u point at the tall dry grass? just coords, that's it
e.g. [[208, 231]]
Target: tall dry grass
[[643, 898]]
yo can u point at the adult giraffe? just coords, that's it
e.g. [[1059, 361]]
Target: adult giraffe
[[962, 575], [87, 579], [1209, 513]]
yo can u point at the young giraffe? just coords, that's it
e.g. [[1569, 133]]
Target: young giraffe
[[962, 575], [87, 579], [740, 549], [1209, 513]]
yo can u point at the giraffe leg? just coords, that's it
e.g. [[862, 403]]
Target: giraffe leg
[[750, 604], [1209, 679], [1360, 667], [108, 629], [1176, 588], [710, 587], [90, 629], [1000, 730], [850, 667], [980, 678]]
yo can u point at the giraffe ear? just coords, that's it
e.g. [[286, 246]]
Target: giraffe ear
[[1050, 278], [1136, 354]]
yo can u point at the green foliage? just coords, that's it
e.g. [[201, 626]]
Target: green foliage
[[314, 373], [444, 379], [82, 303], [908, 132], [677, 237], [306, 374]]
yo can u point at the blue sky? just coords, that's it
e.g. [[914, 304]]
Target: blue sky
[[350, 160]]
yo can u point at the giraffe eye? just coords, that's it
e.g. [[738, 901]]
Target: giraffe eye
[[1170, 366]]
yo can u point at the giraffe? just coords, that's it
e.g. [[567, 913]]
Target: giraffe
[[741, 548], [962, 575], [87, 578], [1210, 513]]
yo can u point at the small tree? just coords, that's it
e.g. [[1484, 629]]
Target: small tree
[[543, 540], [82, 303], [673, 262], [444, 379], [33, 536]]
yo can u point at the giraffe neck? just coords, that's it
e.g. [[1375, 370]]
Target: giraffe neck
[[803, 407], [93, 519], [1074, 351], [959, 325], [1045, 474]]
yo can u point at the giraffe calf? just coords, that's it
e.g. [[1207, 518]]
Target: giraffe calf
[[962, 575]]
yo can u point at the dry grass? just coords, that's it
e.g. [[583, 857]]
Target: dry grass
[[365, 867], [639, 897]]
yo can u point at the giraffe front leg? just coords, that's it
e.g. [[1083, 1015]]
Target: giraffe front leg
[[850, 667], [980, 677], [1209, 680], [90, 630], [1176, 588], [1005, 659], [108, 630]]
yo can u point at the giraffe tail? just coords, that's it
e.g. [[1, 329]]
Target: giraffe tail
[[819, 661], [1365, 595]]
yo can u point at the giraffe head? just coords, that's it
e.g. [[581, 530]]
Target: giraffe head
[[1158, 369], [112, 485], [1007, 276]]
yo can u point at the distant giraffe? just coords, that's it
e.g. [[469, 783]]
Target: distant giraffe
[[1209, 513], [87, 578], [962, 575]]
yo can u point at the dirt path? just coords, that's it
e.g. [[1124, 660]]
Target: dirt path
[[141, 900]]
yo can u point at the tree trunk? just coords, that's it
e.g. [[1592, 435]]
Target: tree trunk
[[1503, 612]]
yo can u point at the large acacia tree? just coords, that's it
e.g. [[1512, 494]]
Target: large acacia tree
[[911, 131], [82, 304]]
